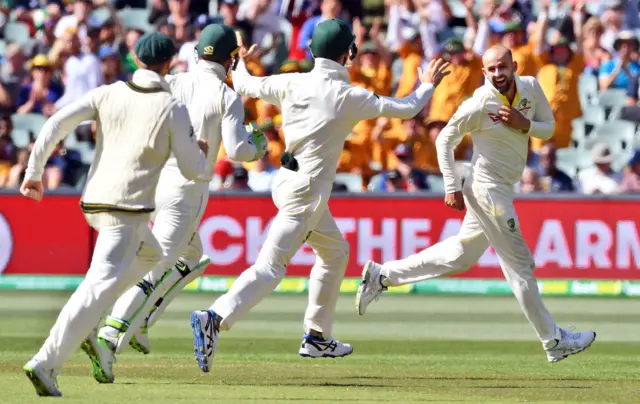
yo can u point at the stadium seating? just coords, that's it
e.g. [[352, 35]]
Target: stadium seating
[[353, 182], [101, 14], [21, 138], [588, 90], [135, 18], [612, 100], [17, 32], [30, 122], [436, 183], [3, 45]]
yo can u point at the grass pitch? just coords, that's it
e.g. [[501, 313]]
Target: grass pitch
[[407, 349]]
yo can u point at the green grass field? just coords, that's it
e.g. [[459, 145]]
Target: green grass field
[[407, 349]]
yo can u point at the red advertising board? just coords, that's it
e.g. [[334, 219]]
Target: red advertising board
[[570, 239]]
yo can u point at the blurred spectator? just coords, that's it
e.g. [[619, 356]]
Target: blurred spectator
[[111, 66], [631, 180], [45, 38], [40, 95], [111, 33], [412, 55], [79, 23], [551, 177], [131, 38], [229, 12], [239, 179], [466, 76], [59, 170], [16, 174], [297, 12], [92, 41], [413, 179], [530, 181], [420, 137], [8, 150], [619, 71], [162, 8], [12, 75], [558, 76], [339, 187], [263, 15], [82, 71], [394, 182], [613, 18], [261, 175], [179, 19], [329, 9], [600, 179], [403, 14], [186, 55], [594, 54]]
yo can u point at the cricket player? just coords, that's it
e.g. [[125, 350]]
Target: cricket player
[[217, 115], [319, 111], [501, 116], [139, 125]]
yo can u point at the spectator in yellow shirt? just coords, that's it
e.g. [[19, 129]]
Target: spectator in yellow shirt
[[512, 35], [558, 76]]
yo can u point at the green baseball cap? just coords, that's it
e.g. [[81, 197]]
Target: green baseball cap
[[154, 49], [454, 45], [217, 40], [331, 39]]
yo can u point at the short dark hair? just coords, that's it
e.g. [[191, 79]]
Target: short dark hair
[[215, 59]]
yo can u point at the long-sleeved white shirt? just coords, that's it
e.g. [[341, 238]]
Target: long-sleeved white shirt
[[320, 108], [139, 125], [499, 152], [84, 73], [216, 112]]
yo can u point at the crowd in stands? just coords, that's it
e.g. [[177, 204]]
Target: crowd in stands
[[584, 54]]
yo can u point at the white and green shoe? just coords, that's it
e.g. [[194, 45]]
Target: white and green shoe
[[44, 380], [102, 355]]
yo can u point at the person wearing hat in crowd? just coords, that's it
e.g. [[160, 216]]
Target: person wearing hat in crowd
[[560, 70], [413, 179], [111, 65], [217, 117], [319, 110], [118, 198], [601, 178], [239, 179], [619, 71], [631, 180], [40, 95]]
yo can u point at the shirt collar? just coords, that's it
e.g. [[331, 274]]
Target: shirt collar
[[331, 69], [212, 67], [503, 98], [149, 79]]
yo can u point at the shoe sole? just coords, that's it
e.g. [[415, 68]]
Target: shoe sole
[[96, 365], [325, 355], [198, 342], [38, 384], [556, 360], [365, 279], [138, 346]]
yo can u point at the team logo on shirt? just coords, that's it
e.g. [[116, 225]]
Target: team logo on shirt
[[524, 105], [495, 118], [512, 224]]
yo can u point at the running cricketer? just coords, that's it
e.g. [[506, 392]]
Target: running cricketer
[[501, 116], [217, 115], [319, 111], [139, 126]]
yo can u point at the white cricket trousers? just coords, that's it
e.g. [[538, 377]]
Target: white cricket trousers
[[490, 220], [303, 215], [123, 240], [180, 204]]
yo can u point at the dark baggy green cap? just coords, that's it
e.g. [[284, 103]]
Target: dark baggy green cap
[[154, 49], [331, 39], [217, 40]]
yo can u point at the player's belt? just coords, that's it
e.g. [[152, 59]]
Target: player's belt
[[289, 162]]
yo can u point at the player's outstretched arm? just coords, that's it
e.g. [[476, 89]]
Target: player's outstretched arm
[[54, 131], [271, 88], [366, 105], [190, 156], [240, 144]]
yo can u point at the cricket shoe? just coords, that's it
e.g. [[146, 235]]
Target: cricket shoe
[[140, 342], [205, 325], [371, 286], [313, 347], [44, 380], [570, 343], [102, 354]]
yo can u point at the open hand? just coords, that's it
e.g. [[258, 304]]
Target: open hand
[[455, 201], [244, 53], [32, 190], [436, 71], [514, 118]]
